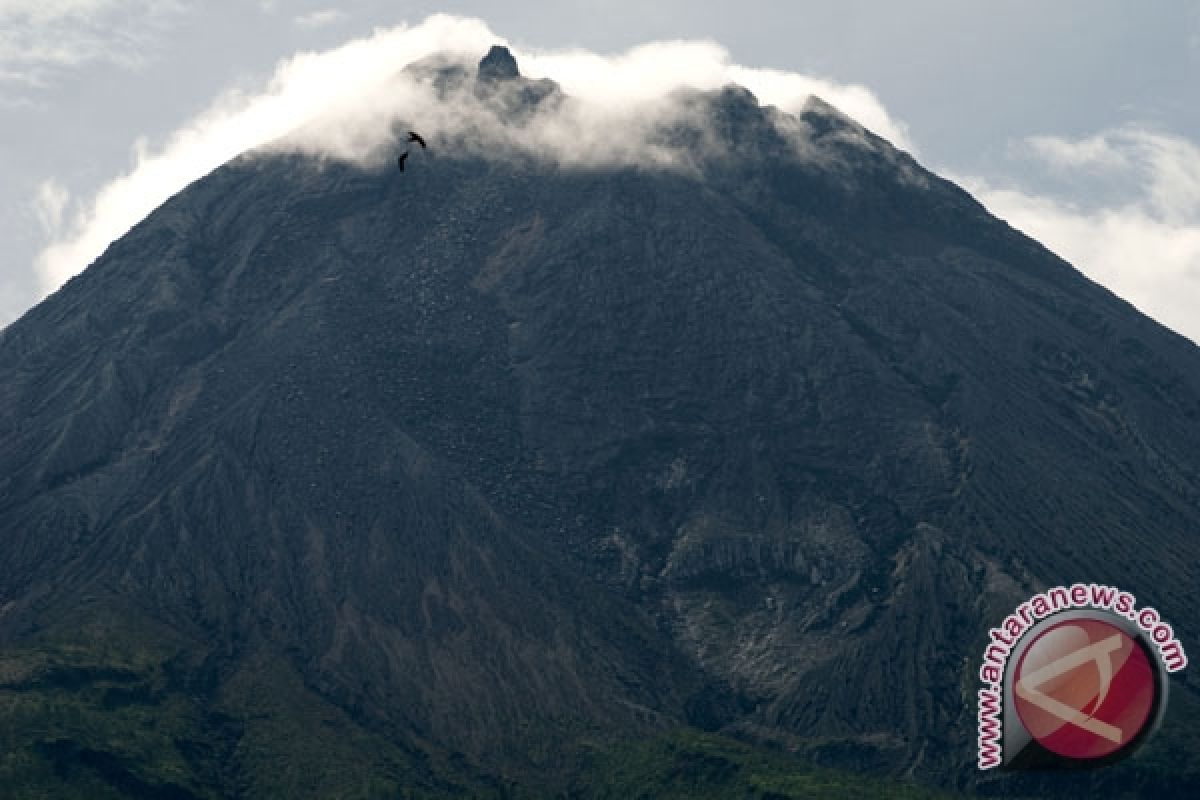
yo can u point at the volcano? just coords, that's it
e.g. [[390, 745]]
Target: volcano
[[509, 478]]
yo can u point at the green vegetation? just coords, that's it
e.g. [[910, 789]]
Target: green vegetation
[[92, 716], [103, 710], [116, 711], [103, 714]]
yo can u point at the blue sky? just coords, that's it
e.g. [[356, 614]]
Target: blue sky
[[1076, 121]]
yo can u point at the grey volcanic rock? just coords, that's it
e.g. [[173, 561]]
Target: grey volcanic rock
[[514, 96], [498, 64], [502, 452]]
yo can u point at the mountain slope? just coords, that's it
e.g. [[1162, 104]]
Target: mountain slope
[[496, 458]]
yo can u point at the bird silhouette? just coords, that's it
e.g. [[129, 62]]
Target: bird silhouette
[[400, 160], [413, 136]]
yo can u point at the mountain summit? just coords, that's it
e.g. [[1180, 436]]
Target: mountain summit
[[326, 481], [498, 64]]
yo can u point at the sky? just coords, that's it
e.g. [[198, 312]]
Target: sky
[[1076, 121]]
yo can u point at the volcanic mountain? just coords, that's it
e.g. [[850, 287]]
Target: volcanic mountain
[[505, 477]]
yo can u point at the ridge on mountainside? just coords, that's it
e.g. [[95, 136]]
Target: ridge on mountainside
[[328, 481]]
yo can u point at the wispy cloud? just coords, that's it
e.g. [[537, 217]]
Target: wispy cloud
[[1144, 246], [650, 71], [342, 103], [1098, 151], [49, 206], [319, 19], [39, 38]]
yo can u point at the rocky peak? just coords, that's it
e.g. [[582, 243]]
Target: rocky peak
[[501, 86], [498, 65]]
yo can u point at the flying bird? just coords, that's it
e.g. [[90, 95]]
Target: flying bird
[[400, 160], [413, 136]]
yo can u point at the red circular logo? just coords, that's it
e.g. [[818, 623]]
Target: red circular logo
[[1084, 689]]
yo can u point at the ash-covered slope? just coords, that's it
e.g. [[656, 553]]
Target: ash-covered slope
[[494, 458]]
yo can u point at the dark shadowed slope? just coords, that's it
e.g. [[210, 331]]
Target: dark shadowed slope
[[454, 477]]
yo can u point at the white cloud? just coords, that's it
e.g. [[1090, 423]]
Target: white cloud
[[45, 10], [1094, 151], [38, 37], [1163, 170], [342, 103], [651, 71], [49, 205], [1144, 247], [319, 19]]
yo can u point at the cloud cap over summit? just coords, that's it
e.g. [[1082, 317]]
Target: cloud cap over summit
[[354, 79]]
